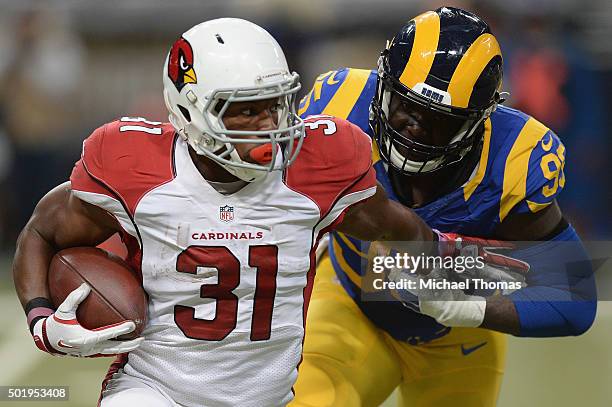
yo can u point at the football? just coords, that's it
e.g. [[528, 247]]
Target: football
[[116, 291]]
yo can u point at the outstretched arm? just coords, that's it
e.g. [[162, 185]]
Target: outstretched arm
[[562, 301], [500, 314], [380, 218], [558, 301]]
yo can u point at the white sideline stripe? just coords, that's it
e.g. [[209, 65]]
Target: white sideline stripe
[[18, 353]]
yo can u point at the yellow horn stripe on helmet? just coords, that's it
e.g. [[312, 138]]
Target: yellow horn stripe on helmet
[[427, 33], [470, 67]]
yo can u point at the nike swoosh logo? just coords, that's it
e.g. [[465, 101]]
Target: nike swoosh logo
[[63, 345], [467, 351]]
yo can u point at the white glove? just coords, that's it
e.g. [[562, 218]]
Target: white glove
[[449, 307], [454, 308], [61, 333]]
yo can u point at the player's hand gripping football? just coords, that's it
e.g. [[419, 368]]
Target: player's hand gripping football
[[61, 333]]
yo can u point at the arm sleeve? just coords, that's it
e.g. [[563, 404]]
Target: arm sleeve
[[561, 297]]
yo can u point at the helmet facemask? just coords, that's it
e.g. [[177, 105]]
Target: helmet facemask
[[431, 158], [227, 61], [207, 134], [453, 71]]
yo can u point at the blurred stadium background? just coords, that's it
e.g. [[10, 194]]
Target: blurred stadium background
[[68, 66]]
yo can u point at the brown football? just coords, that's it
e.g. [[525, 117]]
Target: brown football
[[116, 291]]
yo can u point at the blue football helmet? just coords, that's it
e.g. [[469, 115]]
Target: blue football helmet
[[448, 62]]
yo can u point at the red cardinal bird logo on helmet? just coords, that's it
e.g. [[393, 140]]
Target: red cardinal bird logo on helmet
[[180, 64]]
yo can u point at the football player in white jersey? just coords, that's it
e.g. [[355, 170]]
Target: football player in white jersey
[[221, 211]]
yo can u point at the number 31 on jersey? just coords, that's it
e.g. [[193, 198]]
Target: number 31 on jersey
[[264, 258]]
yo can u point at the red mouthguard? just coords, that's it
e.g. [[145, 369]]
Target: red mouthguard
[[262, 154]]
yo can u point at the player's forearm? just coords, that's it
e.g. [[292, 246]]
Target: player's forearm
[[30, 265], [59, 221], [405, 225], [500, 315], [561, 294], [381, 219]]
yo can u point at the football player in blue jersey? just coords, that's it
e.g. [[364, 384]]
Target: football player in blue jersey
[[444, 146]]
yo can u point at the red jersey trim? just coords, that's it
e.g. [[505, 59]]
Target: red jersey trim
[[151, 176], [117, 364], [132, 244], [331, 165]]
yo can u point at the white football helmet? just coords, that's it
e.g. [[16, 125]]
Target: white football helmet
[[228, 60]]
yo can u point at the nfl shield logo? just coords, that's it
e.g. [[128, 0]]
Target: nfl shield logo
[[226, 213]]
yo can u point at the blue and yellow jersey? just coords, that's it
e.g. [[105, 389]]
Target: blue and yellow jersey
[[520, 171]]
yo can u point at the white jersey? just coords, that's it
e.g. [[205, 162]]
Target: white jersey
[[228, 277]]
